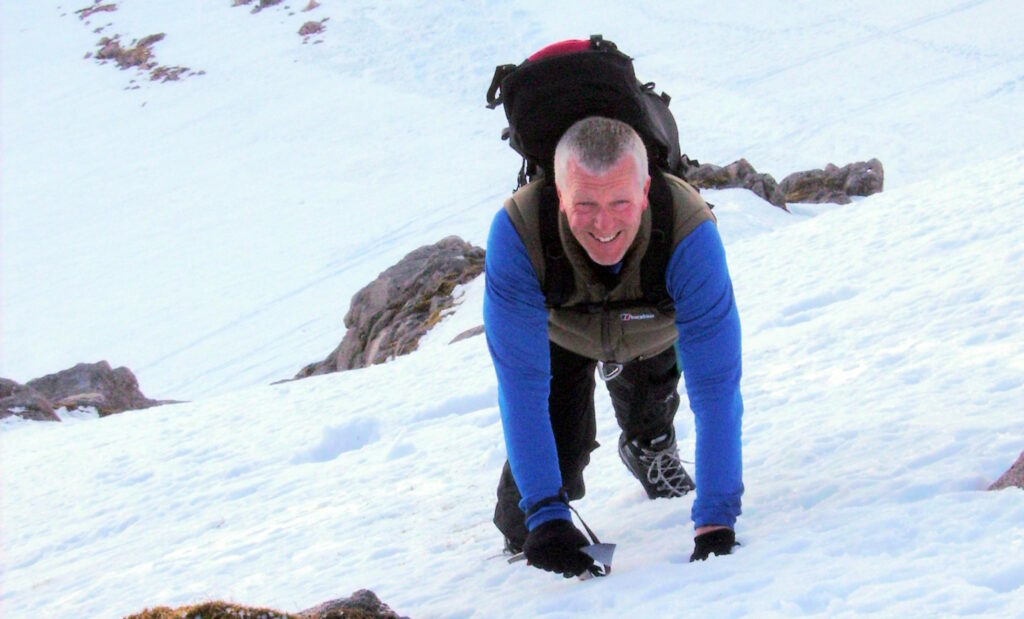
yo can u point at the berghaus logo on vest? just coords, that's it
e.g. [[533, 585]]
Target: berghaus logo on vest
[[627, 316]]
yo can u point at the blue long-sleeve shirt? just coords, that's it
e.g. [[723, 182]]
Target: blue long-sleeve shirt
[[515, 321]]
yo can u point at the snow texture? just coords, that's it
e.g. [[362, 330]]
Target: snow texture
[[209, 233]]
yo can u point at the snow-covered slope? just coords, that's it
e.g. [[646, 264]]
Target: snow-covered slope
[[209, 234], [211, 238]]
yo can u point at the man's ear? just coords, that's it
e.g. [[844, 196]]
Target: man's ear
[[558, 192], [647, 189]]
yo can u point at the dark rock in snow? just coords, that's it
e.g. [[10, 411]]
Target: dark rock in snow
[[364, 603], [833, 184], [95, 384], [17, 400], [83, 400], [737, 174], [465, 335], [1013, 477], [388, 317], [9, 387]]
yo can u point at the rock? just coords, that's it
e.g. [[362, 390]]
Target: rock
[[1013, 477], [863, 178], [211, 610], [117, 388], [311, 27], [364, 602], [83, 400], [264, 4], [9, 387], [17, 400], [96, 8], [737, 174], [833, 184], [468, 333], [388, 317]]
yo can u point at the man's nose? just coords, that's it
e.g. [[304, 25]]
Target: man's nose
[[602, 218]]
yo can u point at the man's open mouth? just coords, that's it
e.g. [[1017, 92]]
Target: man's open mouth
[[605, 239]]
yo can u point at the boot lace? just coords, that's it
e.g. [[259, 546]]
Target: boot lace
[[665, 469]]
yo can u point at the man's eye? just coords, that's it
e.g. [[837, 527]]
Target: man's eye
[[620, 206]]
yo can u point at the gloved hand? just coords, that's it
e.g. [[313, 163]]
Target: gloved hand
[[554, 546], [718, 542]]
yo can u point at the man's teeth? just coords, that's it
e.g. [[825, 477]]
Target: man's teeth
[[605, 239]]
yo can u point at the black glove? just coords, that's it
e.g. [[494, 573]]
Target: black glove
[[554, 546], [718, 542]]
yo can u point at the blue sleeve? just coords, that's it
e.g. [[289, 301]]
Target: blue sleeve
[[710, 358], [516, 325]]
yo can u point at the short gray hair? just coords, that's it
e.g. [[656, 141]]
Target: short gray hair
[[597, 143]]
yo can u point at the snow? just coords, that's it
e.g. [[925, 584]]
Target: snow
[[209, 234]]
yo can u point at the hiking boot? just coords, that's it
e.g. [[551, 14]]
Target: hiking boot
[[657, 465]]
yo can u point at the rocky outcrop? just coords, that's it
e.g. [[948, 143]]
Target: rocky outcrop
[[110, 390], [737, 174], [17, 400], [832, 184], [388, 317], [86, 385], [362, 603], [1013, 477]]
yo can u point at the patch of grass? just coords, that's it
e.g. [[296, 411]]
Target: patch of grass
[[140, 55], [212, 610], [226, 610]]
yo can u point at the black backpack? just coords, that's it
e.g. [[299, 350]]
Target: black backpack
[[568, 81]]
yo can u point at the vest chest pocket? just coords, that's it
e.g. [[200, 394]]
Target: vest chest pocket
[[615, 334]]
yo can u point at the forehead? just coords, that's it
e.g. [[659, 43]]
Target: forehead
[[621, 176]]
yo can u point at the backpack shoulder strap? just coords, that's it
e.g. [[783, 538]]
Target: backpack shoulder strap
[[654, 264], [559, 282]]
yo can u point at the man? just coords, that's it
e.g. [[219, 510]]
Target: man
[[545, 359]]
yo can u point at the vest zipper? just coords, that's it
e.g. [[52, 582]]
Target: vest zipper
[[606, 328]]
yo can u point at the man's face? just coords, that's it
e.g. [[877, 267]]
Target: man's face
[[604, 210]]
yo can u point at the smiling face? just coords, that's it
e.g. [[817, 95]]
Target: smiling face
[[604, 210]]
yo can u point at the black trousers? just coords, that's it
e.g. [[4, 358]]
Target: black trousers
[[645, 400]]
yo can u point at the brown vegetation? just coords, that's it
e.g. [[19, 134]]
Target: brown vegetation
[[140, 55], [97, 8], [263, 4], [363, 604], [211, 610]]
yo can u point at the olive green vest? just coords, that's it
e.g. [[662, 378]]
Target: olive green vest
[[627, 332]]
